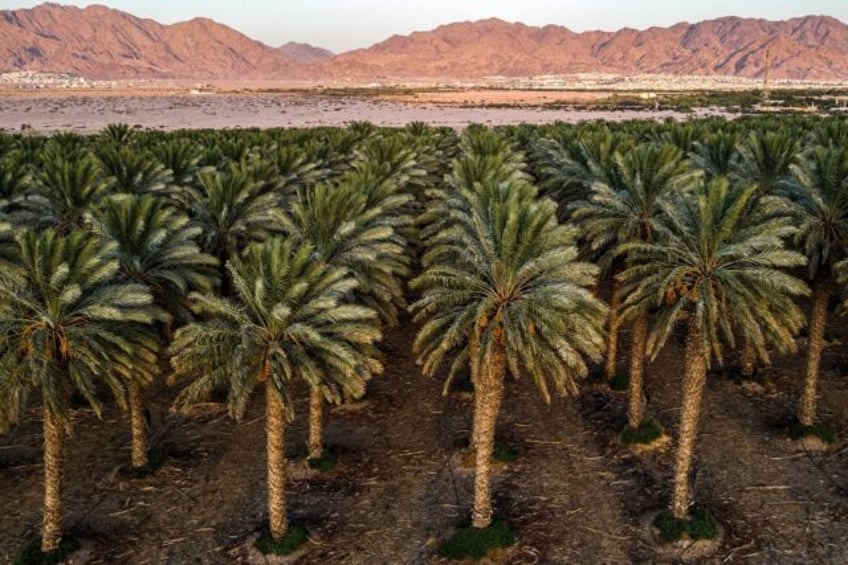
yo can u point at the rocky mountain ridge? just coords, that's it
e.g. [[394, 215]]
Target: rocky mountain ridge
[[102, 43]]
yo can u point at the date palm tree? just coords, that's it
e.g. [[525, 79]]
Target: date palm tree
[[569, 167], [590, 159], [15, 183], [8, 245], [717, 265], [156, 247], [66, 323], [133, 170], [818, 192], [716, 154], [232, 211], [288, 320], [356, 225], [294, 168], [68, 186], [117, 133], [502, 291], [765, 159], [485, 157], [623, 210], [180, 156]]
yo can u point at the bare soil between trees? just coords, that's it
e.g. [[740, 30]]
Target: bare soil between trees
[[573, 495]]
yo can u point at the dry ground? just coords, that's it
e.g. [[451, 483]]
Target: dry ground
[[88, 112], [574, 495], [492, 97]]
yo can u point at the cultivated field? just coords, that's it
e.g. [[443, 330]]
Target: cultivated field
[[310, 250], [574, 494]]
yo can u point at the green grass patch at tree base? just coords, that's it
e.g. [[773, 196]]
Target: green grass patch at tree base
[[155, 459], [31, 554], [324, 463], [619, 382], [700, 526], [295, 536], [462, 383], [469, 542], [505, 453], [648, 431], [596, 376], [758, 377], [822, 431]]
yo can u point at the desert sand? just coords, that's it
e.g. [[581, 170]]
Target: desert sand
[[87, 112]]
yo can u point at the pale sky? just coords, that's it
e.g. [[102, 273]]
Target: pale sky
[[341, 25]]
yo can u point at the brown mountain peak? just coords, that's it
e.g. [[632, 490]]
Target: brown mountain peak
[[102, 42], [801, 48], [304, 52]]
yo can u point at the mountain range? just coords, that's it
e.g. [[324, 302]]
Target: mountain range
[[103, 43]]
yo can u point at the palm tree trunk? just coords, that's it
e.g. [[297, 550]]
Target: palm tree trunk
[[54, 456], [693, 391], [316, 424], [474, 370], [638, 347], [138, 424], [815, 346], [275, 429], [488, 396], [614, 327]]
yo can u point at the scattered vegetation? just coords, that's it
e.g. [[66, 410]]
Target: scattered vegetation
[[296, 536], [733, 101], [757, 377], [619, 382], [474, 543], [325, 463], [699, 525], [822, 431], [648, 431], [31, 554], [505, 453], [155, 458]]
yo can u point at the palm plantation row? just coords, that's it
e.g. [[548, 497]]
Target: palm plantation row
[[254, 259]]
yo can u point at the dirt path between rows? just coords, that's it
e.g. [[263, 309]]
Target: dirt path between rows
[[574, 495]]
